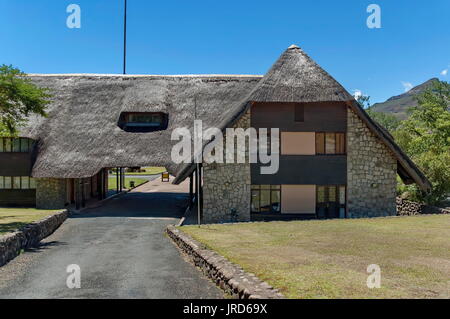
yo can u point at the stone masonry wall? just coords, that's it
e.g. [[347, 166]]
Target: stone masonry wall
[[50, 193], [226, 187], [371, 172], [409, 208], [29, 236]]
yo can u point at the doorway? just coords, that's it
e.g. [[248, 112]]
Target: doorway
[[330, 201]]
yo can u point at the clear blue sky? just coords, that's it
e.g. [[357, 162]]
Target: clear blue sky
[[234, 37]]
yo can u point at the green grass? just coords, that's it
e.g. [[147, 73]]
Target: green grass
[[12, 219], [329, 258], [148, 171], [112, 183]]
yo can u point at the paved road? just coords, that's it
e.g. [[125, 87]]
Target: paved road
[[121, 250]]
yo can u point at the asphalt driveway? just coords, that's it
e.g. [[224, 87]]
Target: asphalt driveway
[[121, 250]]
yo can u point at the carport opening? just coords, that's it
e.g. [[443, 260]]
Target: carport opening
[[150, 188]]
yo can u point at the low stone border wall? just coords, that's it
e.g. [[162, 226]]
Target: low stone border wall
[[406, 207], [228, 276], [29, 236]]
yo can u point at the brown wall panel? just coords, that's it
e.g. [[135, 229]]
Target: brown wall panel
[[298, 199]]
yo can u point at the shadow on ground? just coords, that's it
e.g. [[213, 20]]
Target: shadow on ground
[[140, 204]]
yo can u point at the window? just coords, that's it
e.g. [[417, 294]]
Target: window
[[330, 143], [330, 201], [265, 198], [299, 113], [17, 182], [17, 144], [143, 121]]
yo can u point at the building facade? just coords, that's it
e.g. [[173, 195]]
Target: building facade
[[334, 161]]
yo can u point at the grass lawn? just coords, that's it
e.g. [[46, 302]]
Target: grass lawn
[[148, 171], [12, 219], [329, 258], [112, 183]]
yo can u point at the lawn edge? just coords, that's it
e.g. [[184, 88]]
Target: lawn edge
[[229, 277], [30, 235]]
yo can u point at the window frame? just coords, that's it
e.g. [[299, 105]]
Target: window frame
[[337, 196], [137, 127], [16, 144], [324, 139], [272, 189], [31, 184]]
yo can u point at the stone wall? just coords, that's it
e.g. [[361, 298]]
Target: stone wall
[[371, 172], [229, 277], [409, 208], [29, 236], [226, 187], [50, 193]]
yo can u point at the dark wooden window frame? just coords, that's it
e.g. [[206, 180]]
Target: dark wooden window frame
[[337, 186], [335, 143], [21, 141], [2, 178], [271, 191], [124, 120]]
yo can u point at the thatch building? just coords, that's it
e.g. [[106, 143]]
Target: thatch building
[[335, 160]]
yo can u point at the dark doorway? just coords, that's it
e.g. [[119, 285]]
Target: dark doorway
[[330, 201]]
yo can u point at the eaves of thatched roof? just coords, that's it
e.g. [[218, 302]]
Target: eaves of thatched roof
[[81, 136], [295, 77]]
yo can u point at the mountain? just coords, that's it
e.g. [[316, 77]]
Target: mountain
[[397, 105]]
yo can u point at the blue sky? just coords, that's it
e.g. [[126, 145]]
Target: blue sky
[[233, 37]]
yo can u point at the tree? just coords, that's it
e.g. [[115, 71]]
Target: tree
[[425, 137], [19, 98], [388, 121]]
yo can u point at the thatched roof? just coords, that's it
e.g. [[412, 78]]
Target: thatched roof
[[295, 77], [81, 136]]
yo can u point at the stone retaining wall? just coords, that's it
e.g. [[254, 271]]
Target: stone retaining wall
[[29, 236], [406, 207], [229, 277]]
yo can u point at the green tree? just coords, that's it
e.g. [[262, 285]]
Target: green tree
[[425, 137], [19, 98], [388, 121]]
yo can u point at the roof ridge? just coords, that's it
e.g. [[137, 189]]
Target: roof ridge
[[142, 75]]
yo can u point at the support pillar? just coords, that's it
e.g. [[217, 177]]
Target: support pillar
[[191, 189]]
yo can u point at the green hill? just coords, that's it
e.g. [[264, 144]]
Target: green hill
[[397, 105]]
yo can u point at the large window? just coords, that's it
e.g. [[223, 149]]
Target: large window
[[17, 182], [330, 143], [15, 144], [143, 121], [265, 198], [330, 201]]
